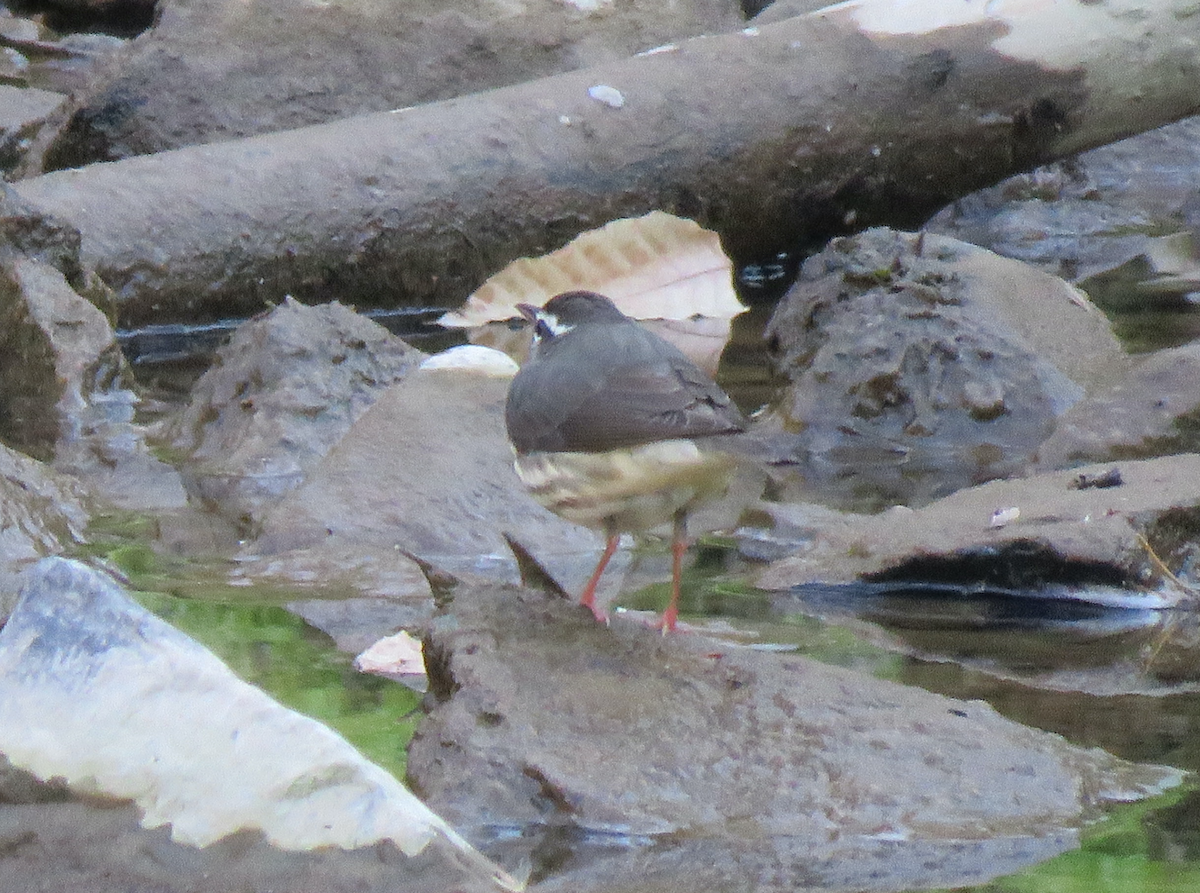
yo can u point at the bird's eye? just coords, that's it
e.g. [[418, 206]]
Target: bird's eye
[[542, 331]]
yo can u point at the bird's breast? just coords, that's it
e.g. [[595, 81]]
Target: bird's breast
[[627, 489]]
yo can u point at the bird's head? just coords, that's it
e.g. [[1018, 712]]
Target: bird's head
[[564, 312]]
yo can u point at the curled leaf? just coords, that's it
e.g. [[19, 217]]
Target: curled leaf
[[653, 267]]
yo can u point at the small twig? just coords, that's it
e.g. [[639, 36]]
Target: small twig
[[1157, 645], [1162, 567]]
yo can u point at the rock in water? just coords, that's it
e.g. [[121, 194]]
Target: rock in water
[[735, 763]]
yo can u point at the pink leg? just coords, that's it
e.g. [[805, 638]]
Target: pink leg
[[678, 549], [588, 599]]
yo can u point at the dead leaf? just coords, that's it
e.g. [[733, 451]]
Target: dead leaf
[[657, 266], [396, 657]]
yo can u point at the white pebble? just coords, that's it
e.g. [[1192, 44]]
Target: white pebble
[[472, 358], [1002, 517], [610, 96]]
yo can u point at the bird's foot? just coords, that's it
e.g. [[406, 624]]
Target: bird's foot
[[598, 612]]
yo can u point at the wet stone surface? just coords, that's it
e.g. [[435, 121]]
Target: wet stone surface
[[542, 717]]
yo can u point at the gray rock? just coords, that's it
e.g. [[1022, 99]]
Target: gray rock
[[23, 111], [66, 394], [59, 359], [923, 364], [428, 470], [739, 763], [359, 592], [1090, 214], [34, 234], [1152, 410], [58, 352], [355, 624], [283, 391], [1089, 527]]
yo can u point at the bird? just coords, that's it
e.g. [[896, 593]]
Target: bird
[[613, 426]]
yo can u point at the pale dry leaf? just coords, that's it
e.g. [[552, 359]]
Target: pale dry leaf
[[657, 266], [393, 656]]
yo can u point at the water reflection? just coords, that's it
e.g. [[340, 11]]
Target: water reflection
[[1126, 681]]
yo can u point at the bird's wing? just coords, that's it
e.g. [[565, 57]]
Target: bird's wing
[[651, 392]]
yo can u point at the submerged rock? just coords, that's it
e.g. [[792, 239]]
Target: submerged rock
[[734, 761], [98, 692]]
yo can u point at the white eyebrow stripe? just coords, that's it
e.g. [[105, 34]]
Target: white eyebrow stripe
[[556, 328]]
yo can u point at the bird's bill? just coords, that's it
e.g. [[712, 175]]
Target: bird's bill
[[529, 312]]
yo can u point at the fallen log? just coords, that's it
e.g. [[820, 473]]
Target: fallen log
[[856, 114]]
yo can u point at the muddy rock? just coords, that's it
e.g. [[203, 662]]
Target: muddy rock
[[284, 390], [1099, 528], [216, 71], [924, 364], [543, 717], [1150, 411], [42, 512], [428, 470]]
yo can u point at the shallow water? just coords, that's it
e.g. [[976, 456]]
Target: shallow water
[[1106, 678], [1109, 678]]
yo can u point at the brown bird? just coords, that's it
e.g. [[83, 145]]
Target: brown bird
[[608, 421]]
